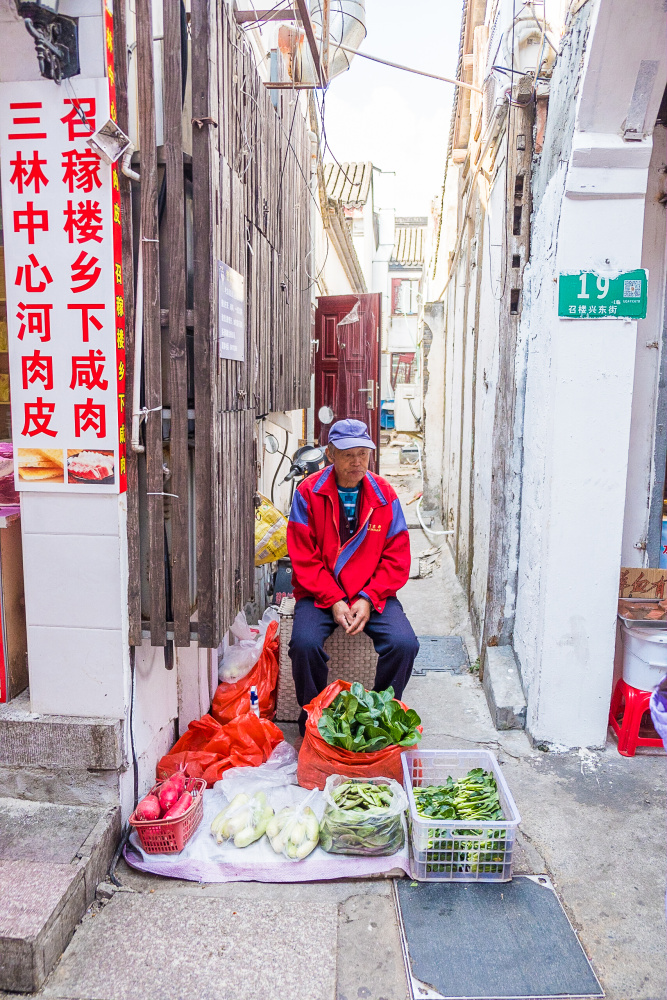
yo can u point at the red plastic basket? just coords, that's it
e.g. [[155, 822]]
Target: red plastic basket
[[169, 836]]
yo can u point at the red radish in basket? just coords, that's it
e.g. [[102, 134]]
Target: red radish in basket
[[149, 808], [168, 796], [178, 779], [181, 806]]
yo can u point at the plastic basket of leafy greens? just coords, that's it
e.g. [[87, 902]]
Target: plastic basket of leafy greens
[[357, 733], [463, 818], [363, 817]]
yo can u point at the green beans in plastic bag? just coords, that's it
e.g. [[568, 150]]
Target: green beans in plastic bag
[[363, 816]]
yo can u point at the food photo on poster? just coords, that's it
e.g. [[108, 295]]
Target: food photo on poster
[[90, 467], [40, 465]]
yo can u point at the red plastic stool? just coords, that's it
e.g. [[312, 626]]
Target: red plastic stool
[[633, 703]]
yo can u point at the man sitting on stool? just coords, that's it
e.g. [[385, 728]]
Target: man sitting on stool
[[350, 551]]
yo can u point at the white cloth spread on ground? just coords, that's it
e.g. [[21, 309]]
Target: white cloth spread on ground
[[204, 860]]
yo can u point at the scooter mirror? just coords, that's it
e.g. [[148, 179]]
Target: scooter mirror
[[325, 415], [309, 456], [271, 445]]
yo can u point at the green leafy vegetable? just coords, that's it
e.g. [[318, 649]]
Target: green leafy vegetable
[[364, 721], [474, 797]]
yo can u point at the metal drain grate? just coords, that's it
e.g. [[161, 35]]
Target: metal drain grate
[[441, 653], [485, 941]]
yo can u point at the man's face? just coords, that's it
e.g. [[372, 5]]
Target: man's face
[[350, 464]]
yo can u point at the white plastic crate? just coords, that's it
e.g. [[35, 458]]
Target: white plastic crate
[[458, 850]]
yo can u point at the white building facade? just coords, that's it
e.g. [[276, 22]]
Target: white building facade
[[549, 464]]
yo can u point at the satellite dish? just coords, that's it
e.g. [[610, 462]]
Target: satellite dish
[[271, 445], [325, 415]]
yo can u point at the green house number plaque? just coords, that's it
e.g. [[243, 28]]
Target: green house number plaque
[[588, 295]]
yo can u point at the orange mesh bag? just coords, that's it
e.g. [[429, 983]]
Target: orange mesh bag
[[233, 700], [318, 759]]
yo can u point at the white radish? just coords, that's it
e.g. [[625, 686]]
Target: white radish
[[305, 849]]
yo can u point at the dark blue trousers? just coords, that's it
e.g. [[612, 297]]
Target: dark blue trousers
[[392, 634]]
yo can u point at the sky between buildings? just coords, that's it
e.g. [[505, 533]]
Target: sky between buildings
[[398, 120]]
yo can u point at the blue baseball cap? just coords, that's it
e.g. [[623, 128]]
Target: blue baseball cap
[[350, 434]]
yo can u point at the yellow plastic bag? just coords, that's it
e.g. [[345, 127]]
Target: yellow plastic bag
[[270, 533]]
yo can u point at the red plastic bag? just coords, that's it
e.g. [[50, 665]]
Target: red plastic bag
[[318, 759], [194, 763], [233, 700], [245, 742], [197, 735]]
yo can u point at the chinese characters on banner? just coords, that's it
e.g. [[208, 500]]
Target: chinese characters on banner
[[65, 307]]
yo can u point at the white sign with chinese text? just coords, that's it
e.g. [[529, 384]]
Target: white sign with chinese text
[[231, 313], [66, 373]]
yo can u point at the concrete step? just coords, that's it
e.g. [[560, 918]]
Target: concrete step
[[502, 687], [52, 857], [53, 758]]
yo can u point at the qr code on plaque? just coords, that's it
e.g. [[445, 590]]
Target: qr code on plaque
[[632, 289]]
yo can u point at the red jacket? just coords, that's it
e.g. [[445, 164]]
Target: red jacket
[[374, 563]]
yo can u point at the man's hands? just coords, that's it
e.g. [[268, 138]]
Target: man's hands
[[352, 619], [342, 614], [361, 612]]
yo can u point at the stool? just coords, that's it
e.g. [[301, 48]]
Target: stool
[[626, 726], [351, 658]]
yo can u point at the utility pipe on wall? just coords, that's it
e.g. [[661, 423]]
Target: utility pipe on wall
[[135, 443]]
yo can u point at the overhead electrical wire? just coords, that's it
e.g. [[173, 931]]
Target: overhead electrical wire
[[406, 69]]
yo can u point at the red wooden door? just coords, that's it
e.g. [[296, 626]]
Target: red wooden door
[[347, 360]]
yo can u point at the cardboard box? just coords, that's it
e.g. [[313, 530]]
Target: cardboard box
[[637, 582]]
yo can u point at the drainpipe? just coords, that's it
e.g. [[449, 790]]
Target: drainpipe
[[135, 442]]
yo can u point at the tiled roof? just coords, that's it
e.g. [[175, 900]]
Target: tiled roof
[[409, 245], [348, 183]]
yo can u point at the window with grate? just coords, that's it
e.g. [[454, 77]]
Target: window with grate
[[402, 369], [404, 300]]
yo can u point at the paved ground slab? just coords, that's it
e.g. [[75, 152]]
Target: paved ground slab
[[166, 946], [370, 959]]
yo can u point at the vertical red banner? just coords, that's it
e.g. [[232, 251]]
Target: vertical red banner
[[119, 299]]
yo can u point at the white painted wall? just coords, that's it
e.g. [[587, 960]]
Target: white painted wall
[[647, 363], [384, 205], [434, 403], [76, 607], [288, 429], [579, 393], [327, 272], [486, 381]]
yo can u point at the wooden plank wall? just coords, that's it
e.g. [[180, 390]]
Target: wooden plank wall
[[251, 209], [133, 540]]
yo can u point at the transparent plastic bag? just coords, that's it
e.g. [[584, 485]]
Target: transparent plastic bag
[[295, 831], [233, 699], [367, 829], [237, 659], [244, 820], [279, 770]]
